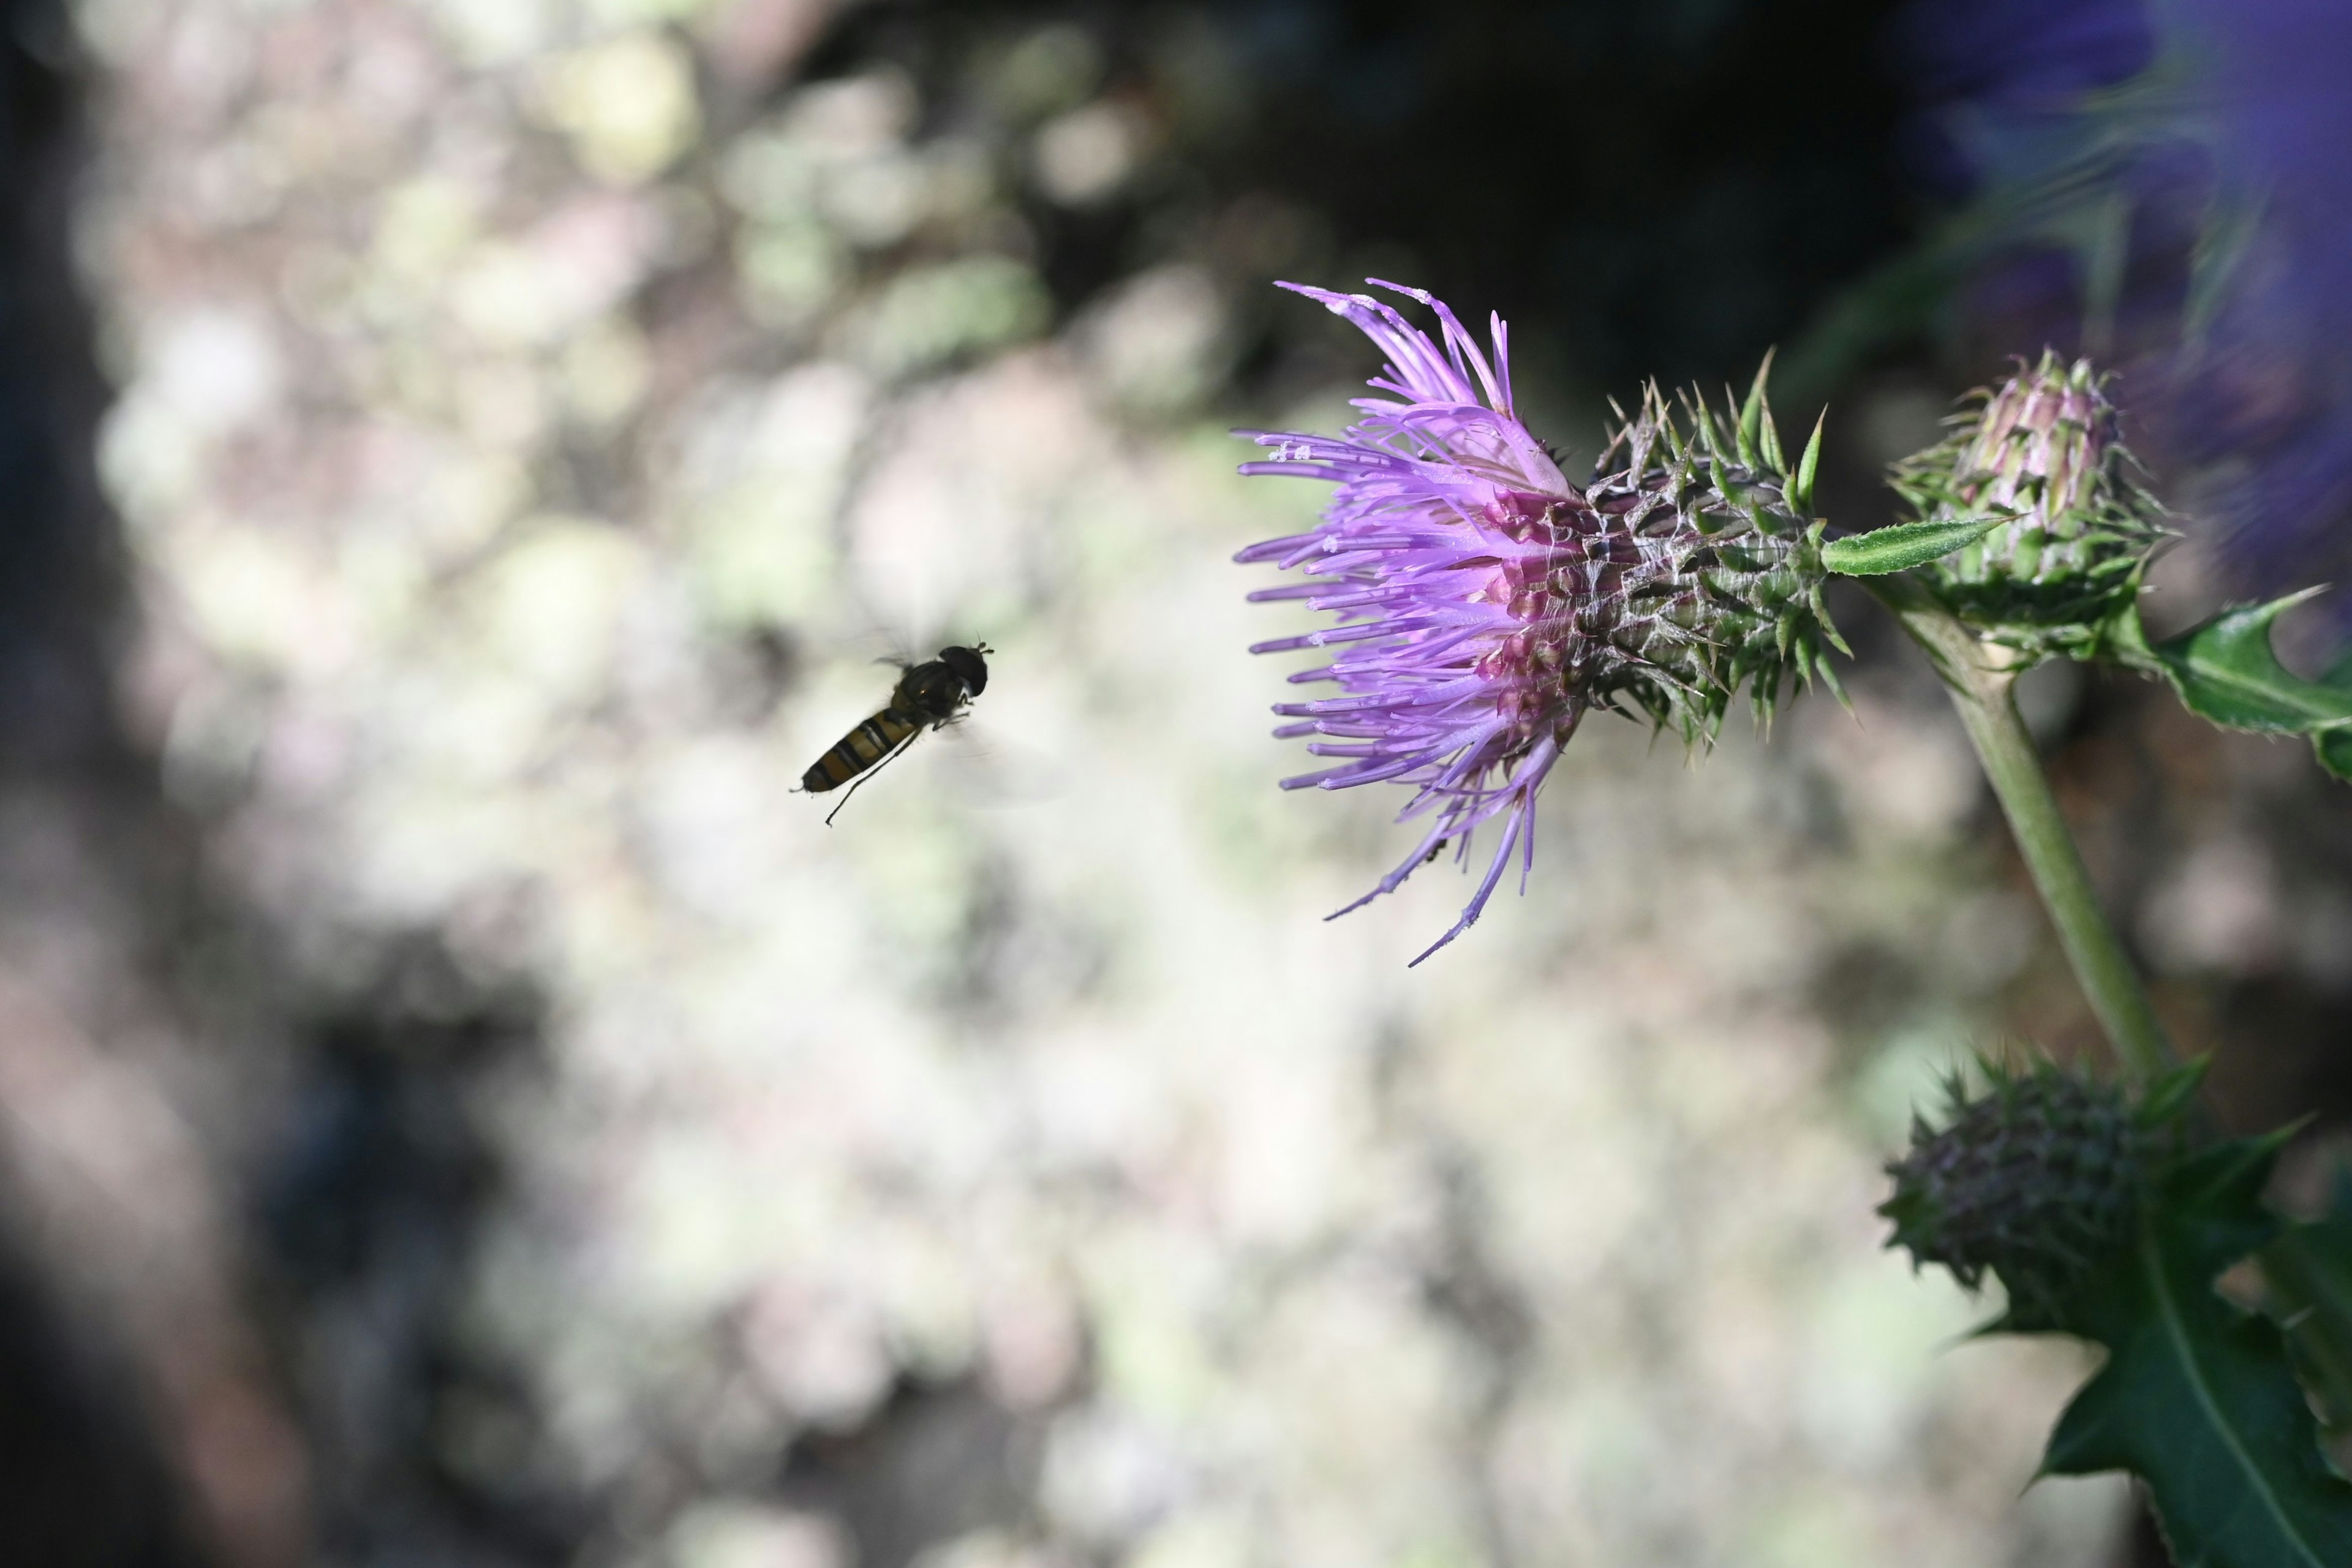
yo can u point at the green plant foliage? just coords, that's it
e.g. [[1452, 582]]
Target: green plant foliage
[[2308, 1271], [2227, 671], [2102, 1226], [2167, 1099], [2197, 1398], [1904, 545]]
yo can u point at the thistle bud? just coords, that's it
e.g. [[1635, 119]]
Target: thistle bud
[[2037, 1180], [2043, 450]]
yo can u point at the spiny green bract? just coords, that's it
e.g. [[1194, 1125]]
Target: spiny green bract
[[1727, 588], [2037, 1180], [2043, 448]]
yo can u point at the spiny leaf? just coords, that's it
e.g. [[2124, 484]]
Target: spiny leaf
[[1904, 545], [1768, 440], [1800, 489], [2197, 1398], [2227, 671], [1753, 417]]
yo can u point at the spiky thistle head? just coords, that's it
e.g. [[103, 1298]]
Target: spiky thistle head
[[2036, 1179], [1486, 604], [1739, 599], [2044, 450]]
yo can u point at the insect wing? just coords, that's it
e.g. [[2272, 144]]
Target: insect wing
[[983, 765]]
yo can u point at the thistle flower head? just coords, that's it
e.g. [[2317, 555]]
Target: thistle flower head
[[1486, 604], [2036, 1179], [2043, 449]]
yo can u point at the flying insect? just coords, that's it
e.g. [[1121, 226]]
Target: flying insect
[[928, 696]]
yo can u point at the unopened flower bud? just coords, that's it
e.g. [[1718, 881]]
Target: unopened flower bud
[[2037, 1180], [2043, 451]]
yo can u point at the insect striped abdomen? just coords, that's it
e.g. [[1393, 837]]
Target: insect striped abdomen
[[858, 750]]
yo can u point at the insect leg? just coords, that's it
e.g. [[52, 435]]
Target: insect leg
[[887, 757]]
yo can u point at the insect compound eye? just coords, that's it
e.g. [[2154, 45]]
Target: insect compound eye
[[969, 666]]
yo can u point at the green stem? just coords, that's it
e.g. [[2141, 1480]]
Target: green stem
[[1984, 691]]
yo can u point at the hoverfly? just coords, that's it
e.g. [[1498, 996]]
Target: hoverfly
[[928, 694]]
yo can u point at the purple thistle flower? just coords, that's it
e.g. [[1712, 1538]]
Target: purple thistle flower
[[1437, 551], [1486, 604]]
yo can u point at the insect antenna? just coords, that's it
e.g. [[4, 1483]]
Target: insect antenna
[[887, 758]]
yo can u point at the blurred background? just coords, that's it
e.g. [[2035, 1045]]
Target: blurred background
[[461, 461]]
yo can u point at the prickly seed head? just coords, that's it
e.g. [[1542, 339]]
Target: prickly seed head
[[2043, 448], [2037, 1179], [1734, 597]]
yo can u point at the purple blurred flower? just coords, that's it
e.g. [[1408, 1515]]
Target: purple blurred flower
[[1989, 74], [2265, 406], [2230, 311], [1442, 552]]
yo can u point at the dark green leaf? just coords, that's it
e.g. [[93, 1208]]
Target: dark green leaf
[[1904, 545], [2196, 1397], [2227, 671], [2169, 1096], [2309, 1273], [2335, 745]]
